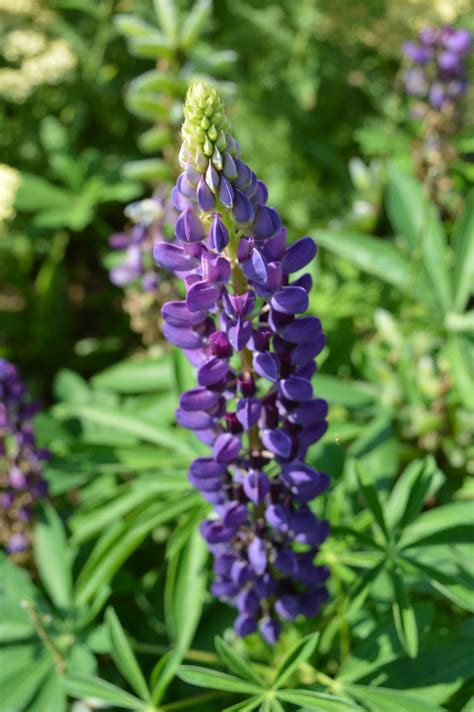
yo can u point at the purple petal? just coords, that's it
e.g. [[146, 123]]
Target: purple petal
[[243, 209], [199, 399], [184, 337], [248, 412], [215, 269], [218, 235], [266, 223], [212, 372], [245, 624], [178, 314], [239, 334], [194, 419], [303, 330], [188, 227], [202, 295], [172, 257], [270, 629], [290, 300], [296, 389], [257, 556], [277, 441], [226, 192], [298, 255], [303, 353], [309, 413], [205, 197], [256, 486], [226, 448], [255, 268], [266, 365]]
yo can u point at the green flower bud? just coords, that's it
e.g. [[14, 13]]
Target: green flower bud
[[206, 129]]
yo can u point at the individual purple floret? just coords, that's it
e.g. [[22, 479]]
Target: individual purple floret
[[438, 68], [21, 461], [148, 219], [242, 326]]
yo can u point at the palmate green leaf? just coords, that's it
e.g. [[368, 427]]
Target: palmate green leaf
[[348, 394], [130, 425], [215, 680], [236, 662], [245, 706], [124, 656], [457, 587], [20, 687], [438, 671], [429, 525], [51, 696], [403, 614], [151, 46], [81, 686], [294, 658], [416, 220], [463, 243], [14, 658], [195, 22], [167, 14], [419, 480], [112, 552], [36, 193], [380, 699], [185, 591], [132, 26], [377, 257], [143, 375], [311, 700], [54, 558], [370, 494], [85, 525]]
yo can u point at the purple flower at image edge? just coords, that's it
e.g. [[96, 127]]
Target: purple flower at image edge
[[22, 485]]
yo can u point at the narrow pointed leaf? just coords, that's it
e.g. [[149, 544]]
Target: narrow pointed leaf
[[403, 614], [371, 496], [124, 657], [82, 686], [294, 658], [382, 699], [318, 701], [215, 680], [236, 663], [463, 243], [54, 559]]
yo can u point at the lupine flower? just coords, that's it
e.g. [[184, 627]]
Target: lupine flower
[[21, 461], [136, 272], [242, 326], [438, 71], [148, 219]]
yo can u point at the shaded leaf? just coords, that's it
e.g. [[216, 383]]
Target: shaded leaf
[[124, 656], [294, 658], [214, 680], [84, 686]]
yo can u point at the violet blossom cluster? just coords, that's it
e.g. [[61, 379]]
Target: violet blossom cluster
[[241, 326], [148, 219], [438, 66], [21, 461]]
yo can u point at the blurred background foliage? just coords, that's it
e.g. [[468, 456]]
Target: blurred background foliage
[[90, 110]]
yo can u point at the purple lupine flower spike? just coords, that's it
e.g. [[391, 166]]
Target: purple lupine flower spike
[[242, 324], [21, 461], [437, 67]]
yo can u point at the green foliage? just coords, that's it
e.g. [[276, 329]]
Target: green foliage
[[114, 606]]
